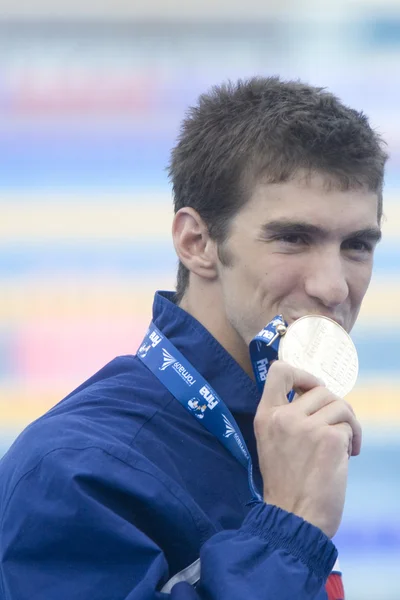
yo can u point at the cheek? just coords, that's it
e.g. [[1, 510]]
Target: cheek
[[259, 283], [358, 282], [274, 286], [282, 277], [245, 290]]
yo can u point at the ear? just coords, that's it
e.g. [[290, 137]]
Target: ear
[[193, 245]]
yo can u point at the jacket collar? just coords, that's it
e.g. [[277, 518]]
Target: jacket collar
[[205, 353]]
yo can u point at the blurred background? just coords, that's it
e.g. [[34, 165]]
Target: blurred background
[[91, 98]]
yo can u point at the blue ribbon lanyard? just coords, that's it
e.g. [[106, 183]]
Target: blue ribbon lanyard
[[264, 350], [195, 394]]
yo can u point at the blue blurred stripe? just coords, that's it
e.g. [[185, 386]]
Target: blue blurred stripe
[[109, 256], [380, 534], [380, 31], [118, 157], [122, 257], [378, 350]]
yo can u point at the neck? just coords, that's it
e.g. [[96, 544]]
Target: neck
[[206, 306]]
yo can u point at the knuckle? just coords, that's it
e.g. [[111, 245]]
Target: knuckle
[[274, 420], [350, 418], [350, 408], [333, 398], [277, 366], [347, 414], [309, 428], [336, 438], [279, 420], [343, 409], [259, 423], [278, 370]]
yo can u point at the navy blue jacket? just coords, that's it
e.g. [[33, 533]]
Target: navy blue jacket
[[117, 492]]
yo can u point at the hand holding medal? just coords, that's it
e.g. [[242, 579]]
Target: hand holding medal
[[304, 447], [313, 343]]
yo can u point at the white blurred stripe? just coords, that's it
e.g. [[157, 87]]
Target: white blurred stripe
[[114, 216], [147, 215], [391, 216], [27, 299], [381, 302]]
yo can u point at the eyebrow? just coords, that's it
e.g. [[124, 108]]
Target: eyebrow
[[286, 227]]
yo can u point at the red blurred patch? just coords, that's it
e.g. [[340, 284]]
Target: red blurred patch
[[334, 587], [54, 352]]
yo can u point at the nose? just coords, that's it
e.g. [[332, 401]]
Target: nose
[[326, 279]]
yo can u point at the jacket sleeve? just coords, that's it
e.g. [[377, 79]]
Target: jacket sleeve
[[72, 529]]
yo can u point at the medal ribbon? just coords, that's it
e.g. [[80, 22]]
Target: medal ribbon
[[264, 350], [195, 394]]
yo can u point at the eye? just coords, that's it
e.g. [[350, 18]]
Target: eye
[[357, 245], [291, 238]]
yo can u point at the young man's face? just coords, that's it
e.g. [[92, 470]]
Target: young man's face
[[296, 249]]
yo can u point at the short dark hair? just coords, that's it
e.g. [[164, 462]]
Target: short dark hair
[[270, 129]]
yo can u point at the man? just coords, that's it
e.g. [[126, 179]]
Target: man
[[120, 492]]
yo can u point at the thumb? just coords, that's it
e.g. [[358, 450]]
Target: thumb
[[282, 378]]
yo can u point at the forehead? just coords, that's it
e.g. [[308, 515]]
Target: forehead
[[310, 200]]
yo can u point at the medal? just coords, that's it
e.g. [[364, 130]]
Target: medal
[[323, 348], [312, 343]]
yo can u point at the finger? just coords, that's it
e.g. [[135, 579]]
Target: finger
[[281, 379], [338, 412], [347, 435], [312, 401]]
